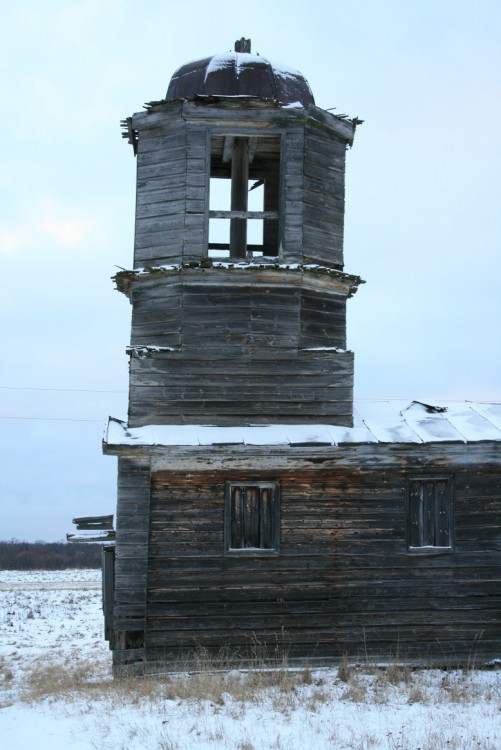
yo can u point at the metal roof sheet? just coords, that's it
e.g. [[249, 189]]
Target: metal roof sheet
[[240, 74], [374, 422]]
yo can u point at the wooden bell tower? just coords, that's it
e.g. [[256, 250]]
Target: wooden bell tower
[[238, 291], [238, 300]]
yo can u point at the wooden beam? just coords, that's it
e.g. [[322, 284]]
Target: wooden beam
[[86, 523], [239, 196], [105, 536], [243, 214], [228, 149], [252, 148]]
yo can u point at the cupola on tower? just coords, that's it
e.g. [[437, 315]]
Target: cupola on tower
[[238, 290]]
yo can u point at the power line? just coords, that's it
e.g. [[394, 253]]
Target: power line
[[56, 419], [57, 390]]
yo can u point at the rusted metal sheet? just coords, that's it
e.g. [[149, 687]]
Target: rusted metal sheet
[[240, 74]]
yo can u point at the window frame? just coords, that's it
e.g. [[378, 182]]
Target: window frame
[[427, 548], [274, 488]]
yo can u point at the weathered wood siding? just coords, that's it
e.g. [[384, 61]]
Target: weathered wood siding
[[197, 193], [157, 314], [237, 350], [161, 191], [343, 583], [131, 561], [291, 198], [167, 388], [324, 170], [323, 320], [173, 168]]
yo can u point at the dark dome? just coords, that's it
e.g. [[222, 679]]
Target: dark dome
[[240, 74]]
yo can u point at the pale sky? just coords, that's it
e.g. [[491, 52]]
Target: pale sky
[[422, 208]]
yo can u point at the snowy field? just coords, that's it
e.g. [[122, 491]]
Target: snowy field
[[57, 692]]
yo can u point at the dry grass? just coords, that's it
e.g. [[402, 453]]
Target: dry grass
[[203, 679], [438, 739], [207, 679], [344, 670], [53, 678], [214, 696], [356, 690], [6, 680], [6, 674]]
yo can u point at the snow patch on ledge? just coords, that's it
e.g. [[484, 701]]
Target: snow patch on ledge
[[243, 265], [324, 349], [143, 351]]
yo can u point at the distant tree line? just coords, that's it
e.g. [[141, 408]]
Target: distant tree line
[[16, 555]]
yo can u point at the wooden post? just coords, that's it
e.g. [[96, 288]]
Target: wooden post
[[239, 197], [271, 203], [243, 45], [108, 583]]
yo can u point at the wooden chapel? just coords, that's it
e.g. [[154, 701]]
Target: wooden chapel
[[258, 508]]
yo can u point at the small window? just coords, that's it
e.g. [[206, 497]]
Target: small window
[[429, 505], [252, 517]]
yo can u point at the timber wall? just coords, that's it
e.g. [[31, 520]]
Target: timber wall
[[233, 347], [343, 582], [324, 171], [131, 562]]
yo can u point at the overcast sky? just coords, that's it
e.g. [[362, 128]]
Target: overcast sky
[[422, 208]]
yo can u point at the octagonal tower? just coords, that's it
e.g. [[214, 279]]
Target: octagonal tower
[[238, 289]]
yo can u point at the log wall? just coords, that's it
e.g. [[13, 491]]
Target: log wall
[[238, 347], [131, 563], [324, 171], [161, 191], [343, 582]]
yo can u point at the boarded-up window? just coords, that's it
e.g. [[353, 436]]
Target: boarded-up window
[[429, 513], [252, 517]]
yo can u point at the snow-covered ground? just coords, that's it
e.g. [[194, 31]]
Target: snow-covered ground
[[57, 692]]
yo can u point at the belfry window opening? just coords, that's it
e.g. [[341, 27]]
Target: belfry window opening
[[244, 197]]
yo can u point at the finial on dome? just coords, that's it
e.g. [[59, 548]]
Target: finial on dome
[[243, 45]]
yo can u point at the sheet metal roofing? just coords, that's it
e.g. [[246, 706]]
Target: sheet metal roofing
[[240, 74], [374, 422]]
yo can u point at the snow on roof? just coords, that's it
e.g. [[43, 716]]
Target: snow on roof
[[374, 422], [242, 74], [240, 60]]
